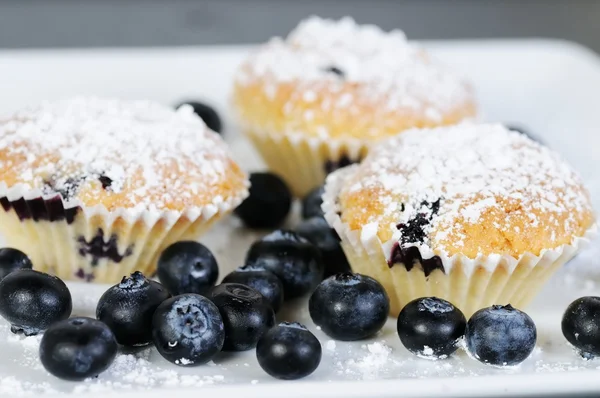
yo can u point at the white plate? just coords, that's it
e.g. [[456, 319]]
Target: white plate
[[550, 87]]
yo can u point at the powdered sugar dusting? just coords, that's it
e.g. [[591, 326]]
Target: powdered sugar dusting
[[447, 179], [391, 71], [136, 152]]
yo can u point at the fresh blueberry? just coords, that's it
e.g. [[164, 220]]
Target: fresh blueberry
[[12, 260], [207, 114], [188, 330], [295, 261], [78, 348], [32, 301], [268, 204], [581, 325], [187, 267], [311, 203], [261, 280], [500, 335], [127, 308], [246, 313], [349, 306], [319, 233], [521, 130], [289, 351], [431, 327]]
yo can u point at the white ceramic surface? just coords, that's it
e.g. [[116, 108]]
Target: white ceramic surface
[[547, 86]]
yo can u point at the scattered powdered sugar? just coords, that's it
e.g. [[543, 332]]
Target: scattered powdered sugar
[[387, 68], [446, 178], [330, 345], [378, 358], [141, 152]]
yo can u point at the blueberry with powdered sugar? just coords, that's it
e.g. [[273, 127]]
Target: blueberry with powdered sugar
[[260, 279], [431, 327], [78, 348], [289, 351], [581, 325], [32, 301], [500, 335], [127, 308], [296, 261], [188, 330], [349, 306], [187, 267], [247, 315]]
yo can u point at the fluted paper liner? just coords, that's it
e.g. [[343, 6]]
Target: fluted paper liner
[[470, 284], [58, 247], [300, 159]]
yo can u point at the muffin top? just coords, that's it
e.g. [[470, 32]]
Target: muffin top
[[117, 154], [337, 79], [470, 189]]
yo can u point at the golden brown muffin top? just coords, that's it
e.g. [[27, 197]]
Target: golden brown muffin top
[[117, 154], [470, 189], [342, 80]]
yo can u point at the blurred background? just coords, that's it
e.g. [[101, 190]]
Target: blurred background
[[108, 23]]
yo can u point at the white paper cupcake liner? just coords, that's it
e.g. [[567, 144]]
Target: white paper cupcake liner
[[96, 244], [470, 284], [301, 159]]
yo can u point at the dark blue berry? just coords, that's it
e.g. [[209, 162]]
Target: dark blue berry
[[500, 335], [289, 351], [319, 233], [431, 327], [311, 203], [261, 280], [581, 325], [349, 306], [32, 301], [295, 261], [246, 314], [188, 330], [127, 308], [521, 130], [187, 267], [207, 114], [77, 348], [12, 260], [268, 204]]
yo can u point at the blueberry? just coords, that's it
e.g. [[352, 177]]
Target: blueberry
[[246, 314], [269, 202], [289, 351], [127, 308], [431, 327], [311, 203], [12, 260], [187, 267], [295, 261], [207, 114], [349, 306], [521, 130], [188, 330], [32, 301], [77, 348], [500, 335], [581, 325], [319, 233], [260, 279]]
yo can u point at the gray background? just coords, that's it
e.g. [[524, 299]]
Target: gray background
[[83, 23]]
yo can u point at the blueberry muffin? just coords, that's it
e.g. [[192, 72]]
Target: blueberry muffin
[[475, 214], [94, 188], [317, 100]]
